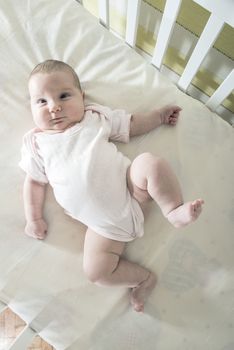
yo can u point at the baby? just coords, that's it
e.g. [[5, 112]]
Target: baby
[[70, 149]]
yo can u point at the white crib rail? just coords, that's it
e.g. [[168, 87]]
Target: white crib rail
[[133, 12], [103, 7], [221, 13], [206, 41], [222, 92], [170, 13]]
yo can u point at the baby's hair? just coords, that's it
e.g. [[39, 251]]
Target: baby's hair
[[50, 66]]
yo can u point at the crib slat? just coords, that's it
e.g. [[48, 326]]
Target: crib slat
[[103, 7], [23, 340], [170, 13], [133, 12], [222, 92], [206, 41]]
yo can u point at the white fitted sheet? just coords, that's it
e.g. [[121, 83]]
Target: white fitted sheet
[[192, 306]]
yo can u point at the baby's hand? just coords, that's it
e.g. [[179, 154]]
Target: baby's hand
[[170, 114], [36, 229]]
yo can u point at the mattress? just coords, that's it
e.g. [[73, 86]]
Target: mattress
[[192, 306]]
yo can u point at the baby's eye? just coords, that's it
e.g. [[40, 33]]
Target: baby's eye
[[41, 101], [64, 95]]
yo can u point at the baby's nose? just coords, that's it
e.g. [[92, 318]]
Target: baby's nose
[[55, 108]]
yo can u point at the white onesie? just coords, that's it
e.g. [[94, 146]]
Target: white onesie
[[87, 172]]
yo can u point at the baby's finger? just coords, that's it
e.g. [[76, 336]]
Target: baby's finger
[[173, 120], [176, 114], [36, 234]]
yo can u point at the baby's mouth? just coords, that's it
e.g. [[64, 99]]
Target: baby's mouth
[[57, 120]]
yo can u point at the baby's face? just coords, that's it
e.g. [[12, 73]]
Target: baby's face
[[56, 102]]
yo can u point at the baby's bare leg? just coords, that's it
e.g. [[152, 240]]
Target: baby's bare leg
[[153, 175], [104, 266]]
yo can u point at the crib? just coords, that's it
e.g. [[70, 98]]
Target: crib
[[43, 281], [220, 15]]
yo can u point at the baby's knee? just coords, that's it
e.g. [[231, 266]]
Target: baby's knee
[[92, 275], [92, 271], [148, 158], [151, 162], [99, 269]]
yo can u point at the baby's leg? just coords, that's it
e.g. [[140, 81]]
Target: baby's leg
[[153, 175], [104, 266]]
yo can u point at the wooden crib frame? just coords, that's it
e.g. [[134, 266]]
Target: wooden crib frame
[[221, 13]]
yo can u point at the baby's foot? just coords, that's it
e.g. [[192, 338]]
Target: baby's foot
[[169, 114], [140, 293], [185, 213]]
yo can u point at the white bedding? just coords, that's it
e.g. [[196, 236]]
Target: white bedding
[[192, 306]]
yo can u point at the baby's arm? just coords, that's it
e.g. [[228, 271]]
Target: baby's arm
[[142, 123], [34, 197]]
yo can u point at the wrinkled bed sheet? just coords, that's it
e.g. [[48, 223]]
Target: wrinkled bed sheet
[[192, 306]]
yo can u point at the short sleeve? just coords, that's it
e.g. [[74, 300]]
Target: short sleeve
[[119, 122], [120, 125], [30, 161]]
